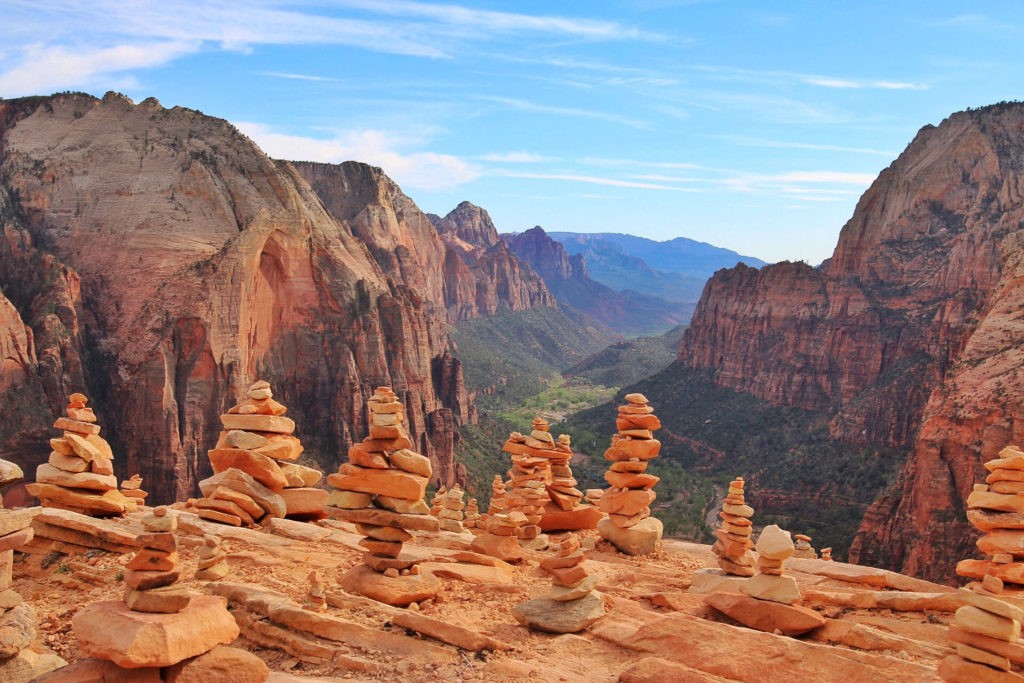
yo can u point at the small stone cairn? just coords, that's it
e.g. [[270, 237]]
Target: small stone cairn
[[985, 633], [572, 605], [501, 537], [212, 560], [79, 475], [254, 473], [18, 664], [733, 544], [774, 546], [826, 554], [473, 519], [436, 502], [996, 508], [132, 488], [498, 504], [629, 526], [161, 631], [803, 549], [451, 515], [381, 490]]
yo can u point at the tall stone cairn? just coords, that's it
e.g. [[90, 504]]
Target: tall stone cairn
[[529, 475], [629, 525], [79, 475], [381, 490], [733, 544], [436, 502], [451, 514], [473, 518], [255, 476], [155, 568], [985, 633], [499, 503], [996, 508]]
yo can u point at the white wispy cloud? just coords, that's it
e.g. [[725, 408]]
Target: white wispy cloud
[[819, 80], [980, 22], [525, 105], [759, 142], [412, 170], [517, 157], [297, 77], [590, 179]]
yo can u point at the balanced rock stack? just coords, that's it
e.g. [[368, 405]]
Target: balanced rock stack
[[629, 525], [528, 475], [451, 515], [161, 632], [381, 490], [774, 547], [826, 554], [256, 446], [79, 475], [572, 604], [996, 508], [803, 549], [501, 537], [733, 544], [213, 562], [498, 503], [132, 488], [436, 502], [986, 634], [566, 511], [17, 618], [472, 520]]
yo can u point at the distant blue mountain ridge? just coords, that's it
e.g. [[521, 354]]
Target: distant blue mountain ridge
[[675, 270]]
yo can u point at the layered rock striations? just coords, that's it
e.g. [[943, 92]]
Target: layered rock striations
[[158, 260], [909, 334]]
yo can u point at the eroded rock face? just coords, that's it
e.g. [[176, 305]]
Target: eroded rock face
[[162, 262], [910, 331]]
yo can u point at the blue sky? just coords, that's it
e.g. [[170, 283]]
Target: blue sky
[[750, 125]]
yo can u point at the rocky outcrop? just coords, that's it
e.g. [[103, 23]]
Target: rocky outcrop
[[909, 333], [567, 277], [163, 263]]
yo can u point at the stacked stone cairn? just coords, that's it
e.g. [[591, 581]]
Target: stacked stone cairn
[[629, 525], [996, 508], [803, 549], [132, 488], [18, 664], [436, 502], [381, 490], [499, 503], [255, 475], [986, 634], [733, 544], [472, 520], [212, 560], [316, 595], [774, 546], [572, 604], [160, 631], [528, 475], [501, 537], [565, 510], [826, 554], [79, 475], [451, 515]]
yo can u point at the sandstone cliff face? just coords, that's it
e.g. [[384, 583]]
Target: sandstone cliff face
[[163, 262], [909, 332]]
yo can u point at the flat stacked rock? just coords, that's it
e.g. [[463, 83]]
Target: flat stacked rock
[[803, 549], [629, 525], [160, 631], [79, 475], [472, 520], [733, 544], [213, 562], [566, 510], [985, 633], [316, 595], [528, 475], [256, 447], [154, 569], [572, 604], [132, 488], [436, 502], [996, 508], [774, 547], [501, 537], [18, 664], [498, 504], [826, 554], [381, 490], [451, 515]]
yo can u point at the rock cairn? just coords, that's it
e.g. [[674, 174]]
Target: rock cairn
[[213, 561], [472, 520], [826, 554], [562, 487], [381, 490], [254, 473], [160, 631], [451, 514], [629, 526], [316, 595], [528, 476], [774, 547], [733, 544], [132, 488], [985, 633], [79, 475], [572, 604], [803, 549], [17, 618], [501, 537], [498, 503], [436, 503], [996, 508]]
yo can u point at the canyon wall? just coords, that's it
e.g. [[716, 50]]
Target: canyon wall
[[908, 335], [157, 260]]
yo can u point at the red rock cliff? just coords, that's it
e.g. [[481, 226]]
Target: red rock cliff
[[909, 332], [162, 262]]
